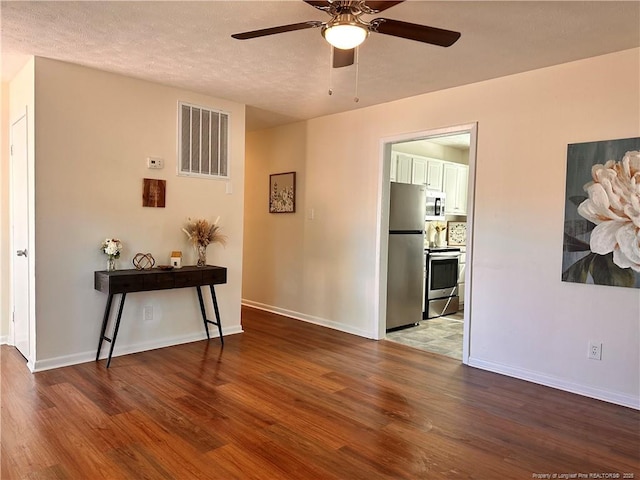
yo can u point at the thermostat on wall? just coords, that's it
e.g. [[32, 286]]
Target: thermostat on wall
[[155, 162]]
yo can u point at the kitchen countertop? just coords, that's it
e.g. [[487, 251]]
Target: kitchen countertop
[[443, 249]]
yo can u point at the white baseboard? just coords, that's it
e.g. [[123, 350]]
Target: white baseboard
[[310, 319], [559, 383], [4, 340], [83, 357]]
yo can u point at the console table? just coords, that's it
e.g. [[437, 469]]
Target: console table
[[128, 281]]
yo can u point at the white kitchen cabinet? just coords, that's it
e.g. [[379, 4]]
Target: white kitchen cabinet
[[434, 174], [401, 165], [463, 188], [418, 170], [424, 171], [455, 179], [393, 173], [461, 274]]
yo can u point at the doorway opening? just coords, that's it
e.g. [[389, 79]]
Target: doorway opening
[[443, 161]]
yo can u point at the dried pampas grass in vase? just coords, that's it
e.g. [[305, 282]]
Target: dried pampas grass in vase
[[201, 233]]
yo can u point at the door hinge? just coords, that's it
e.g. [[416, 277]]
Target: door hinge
[[11, 152]]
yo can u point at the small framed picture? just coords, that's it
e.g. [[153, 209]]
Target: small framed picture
[[282, 192], [153, 192], [457, 233]]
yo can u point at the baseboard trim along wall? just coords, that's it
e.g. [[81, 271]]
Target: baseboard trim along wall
[[559, 383], [119, 350], [309, 318], [4, 340]]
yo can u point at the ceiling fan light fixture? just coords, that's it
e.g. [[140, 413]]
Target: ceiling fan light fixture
[[345, 32]]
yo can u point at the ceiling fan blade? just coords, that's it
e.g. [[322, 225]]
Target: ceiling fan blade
[[273, 30], [343, 58], [413, 31], [319, 4], [380, 6]]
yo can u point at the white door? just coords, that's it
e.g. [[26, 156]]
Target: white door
[[20, 235]]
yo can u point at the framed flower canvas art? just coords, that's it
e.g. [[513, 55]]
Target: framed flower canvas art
[[602, 213], [282, 192]]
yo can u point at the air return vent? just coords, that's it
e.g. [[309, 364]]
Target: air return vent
[[203, 142]]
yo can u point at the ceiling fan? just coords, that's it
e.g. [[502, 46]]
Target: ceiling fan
[[346, 29]]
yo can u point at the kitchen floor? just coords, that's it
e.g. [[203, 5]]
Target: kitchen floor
[[441, 335]]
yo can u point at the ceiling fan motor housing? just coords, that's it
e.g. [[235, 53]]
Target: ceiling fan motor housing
[[345, 31]]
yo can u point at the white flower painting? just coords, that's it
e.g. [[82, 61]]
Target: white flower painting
[[602, 222], [282, 193]]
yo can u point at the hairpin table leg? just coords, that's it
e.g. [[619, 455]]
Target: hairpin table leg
[[105, 320], [217, 312], [115, 330], [202, 310]]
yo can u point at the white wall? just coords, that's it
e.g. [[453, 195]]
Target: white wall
[[276, 152], [94, 131], [5, 308], [525, 322]]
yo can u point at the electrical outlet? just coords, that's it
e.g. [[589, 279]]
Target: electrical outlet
[[595, 351], [147, 313]]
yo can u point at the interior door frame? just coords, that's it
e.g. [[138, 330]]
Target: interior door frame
[[383, 224], [24, 116]]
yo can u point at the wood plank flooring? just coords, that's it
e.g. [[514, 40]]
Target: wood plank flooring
[[291, 400]]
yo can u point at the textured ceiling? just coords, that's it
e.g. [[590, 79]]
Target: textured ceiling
[[286, 77]]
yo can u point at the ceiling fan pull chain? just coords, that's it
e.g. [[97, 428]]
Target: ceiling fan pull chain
[[357, 52], [331, 71]]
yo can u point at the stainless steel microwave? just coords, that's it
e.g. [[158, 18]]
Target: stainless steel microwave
[[435, 205]]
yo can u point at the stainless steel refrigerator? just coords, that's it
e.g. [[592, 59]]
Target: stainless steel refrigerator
[[405, 272]]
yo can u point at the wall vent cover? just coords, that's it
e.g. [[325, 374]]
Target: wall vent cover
[[203, 141]]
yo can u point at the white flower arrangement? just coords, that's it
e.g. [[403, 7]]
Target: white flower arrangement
[[435, 233], [112, 247], [439, 226]]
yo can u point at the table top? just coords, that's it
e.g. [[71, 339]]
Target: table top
[[132, 280]]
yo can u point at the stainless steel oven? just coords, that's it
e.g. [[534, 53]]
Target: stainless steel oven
[[441, 286]]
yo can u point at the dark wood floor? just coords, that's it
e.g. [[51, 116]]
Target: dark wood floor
[[290, 400]]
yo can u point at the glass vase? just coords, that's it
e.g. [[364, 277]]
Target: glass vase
[[111, 263], [202, 255]]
